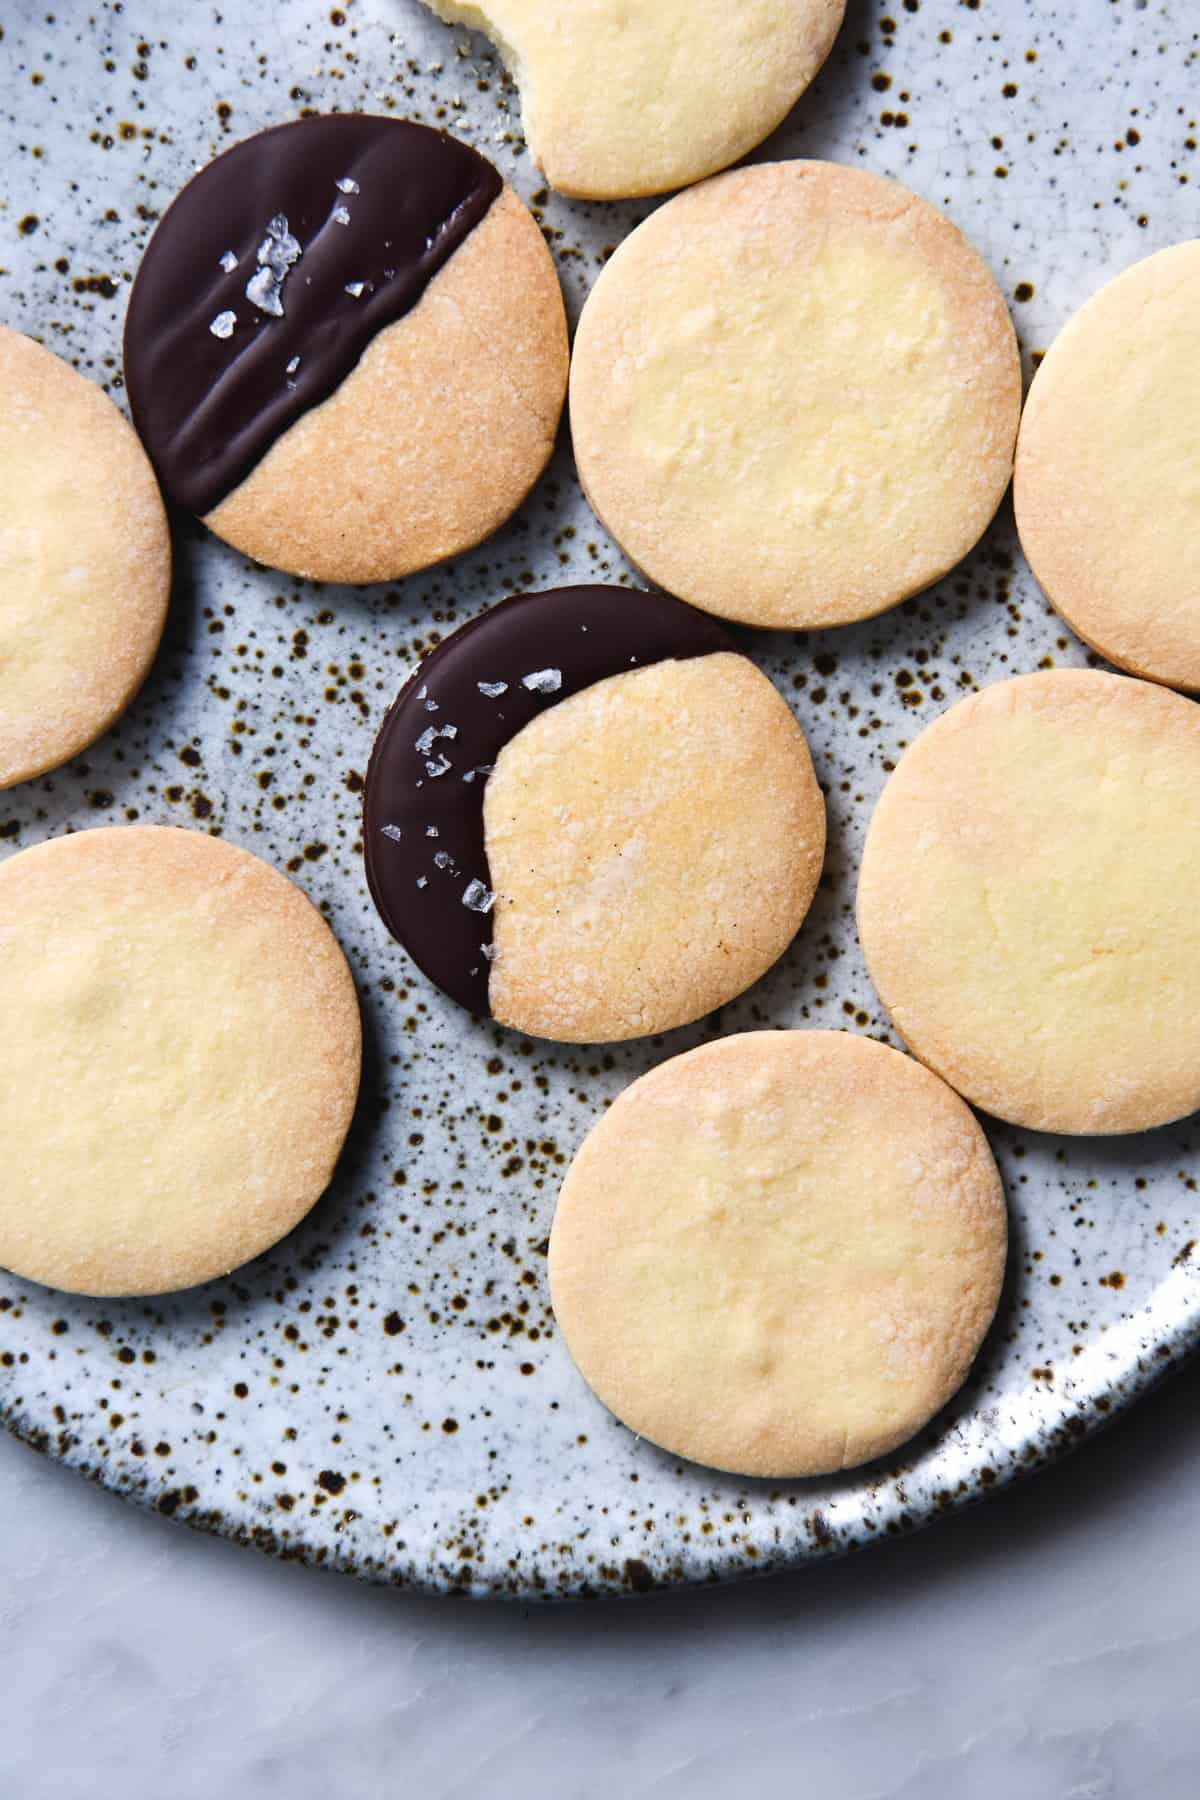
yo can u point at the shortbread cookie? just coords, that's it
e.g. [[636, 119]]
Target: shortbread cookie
[[179, 1060], [1106, 486], [85, 561], [779, 1253], [1029, 903], [794, 395], [587, 816], [346, 348], [620, 99]]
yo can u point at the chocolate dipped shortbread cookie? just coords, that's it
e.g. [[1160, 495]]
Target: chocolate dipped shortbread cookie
[[346, 348], [590, 817]]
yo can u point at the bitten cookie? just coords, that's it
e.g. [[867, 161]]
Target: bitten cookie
[[1029, 902], [85, 561], [179, 1061], [346, 348], [620, 99], [588, 817], [1105, 489], [779, 1253], [794, 395]]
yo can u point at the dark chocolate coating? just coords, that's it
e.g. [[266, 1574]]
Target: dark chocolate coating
[[586, 634], [208, 407]]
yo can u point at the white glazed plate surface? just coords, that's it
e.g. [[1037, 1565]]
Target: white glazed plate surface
[[386, 1393]]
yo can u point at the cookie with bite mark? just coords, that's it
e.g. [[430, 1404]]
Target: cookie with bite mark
[[623, 99]]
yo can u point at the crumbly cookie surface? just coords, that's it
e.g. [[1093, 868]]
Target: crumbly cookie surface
[[85, 561], [1105, 488], [794, 395], [1029, 902], [179, 1063], [778, 1254]]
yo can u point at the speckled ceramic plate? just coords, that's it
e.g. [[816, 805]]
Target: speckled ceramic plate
[[386, 1393]]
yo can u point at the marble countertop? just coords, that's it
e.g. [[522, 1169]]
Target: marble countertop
[[1042, 1646]]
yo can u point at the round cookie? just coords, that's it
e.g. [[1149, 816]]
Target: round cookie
[[587, 816], [85, 561], [794, 395], [179, 1062], [1105, 486], [1029, 902], [779, 1253], [346, 348], [621, 100]]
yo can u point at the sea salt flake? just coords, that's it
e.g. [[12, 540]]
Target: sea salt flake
[[391, 831], [489, 950], [441, 766], [478, 898], [432, 706], [229, 262], [222, 326], [354, 289], [292, 366], [345, 184], [262, 290], [422, 881], [484, 769], [279, 249], [543, 681], [492, 690], [432, 831], [443, 860], [341, 215], [430, 735], [276, 254]]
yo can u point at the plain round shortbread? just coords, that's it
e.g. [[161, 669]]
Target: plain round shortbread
[[85, 561], [1029, 902], [622, 100], [179, 1063], [779, 1253], [794, 395], [1105, 487]]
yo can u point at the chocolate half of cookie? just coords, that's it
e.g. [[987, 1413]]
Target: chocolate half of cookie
[[272, 272], [424, 845]]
